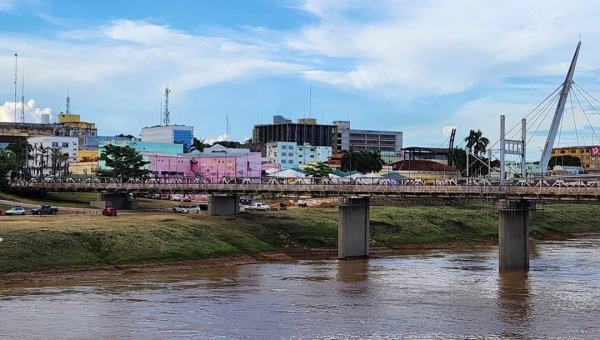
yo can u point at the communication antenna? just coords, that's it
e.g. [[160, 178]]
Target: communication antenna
[[23, 98], [309, 100], [167, 114], [68, 103], [160, 112], [16, 76]]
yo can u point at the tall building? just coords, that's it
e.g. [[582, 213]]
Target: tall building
[[373, 140], [77, 128], [305, 131], [169, 134]]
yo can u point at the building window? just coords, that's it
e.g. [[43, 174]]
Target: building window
[[312, 156], [283, 154], [283, 147], [291, 147], [312, 149], [55, 144], [283, 161], [65, 144]]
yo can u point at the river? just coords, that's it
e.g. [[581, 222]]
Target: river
[[443, 294]]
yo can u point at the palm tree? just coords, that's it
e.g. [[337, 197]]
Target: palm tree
[[348, 162], [476, 142], [197, 145]]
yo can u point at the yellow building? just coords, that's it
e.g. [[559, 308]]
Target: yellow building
[[83, 168], [87, 155], [74, 121], [589, 156]]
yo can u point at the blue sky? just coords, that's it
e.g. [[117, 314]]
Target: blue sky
[[419, 67]]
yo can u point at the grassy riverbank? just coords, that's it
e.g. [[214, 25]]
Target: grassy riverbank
[[80, 200], [73, 242]]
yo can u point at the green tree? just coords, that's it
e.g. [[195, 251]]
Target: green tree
[[363, 161], [318, 170], [124, 161], [476, 142], [21, 150], [8, 162], [198, 145], [565, 160], [125, 136]]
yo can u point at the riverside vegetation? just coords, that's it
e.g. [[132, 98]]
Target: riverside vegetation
[[70, 242]]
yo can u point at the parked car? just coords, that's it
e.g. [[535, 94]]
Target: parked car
[[176, 197], [15, 211], [155, 196], [44, 210], [180, 209], [187, 199], [109, 212], [258, 206]]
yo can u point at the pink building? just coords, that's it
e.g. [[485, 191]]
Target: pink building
[[213, 166]]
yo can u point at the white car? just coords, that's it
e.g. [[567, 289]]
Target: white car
[[176, 197], [257, 206], [15, 211]]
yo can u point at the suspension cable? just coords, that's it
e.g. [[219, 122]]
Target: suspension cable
[[549, 106], [586, 116], [542, 121], [574, 122], [581, 88]]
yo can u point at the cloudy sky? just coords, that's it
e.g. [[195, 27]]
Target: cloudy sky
[[415, 66]]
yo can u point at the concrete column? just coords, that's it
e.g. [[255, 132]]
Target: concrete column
[[223, 205], [513, 234], [353, 228], [114, 200]]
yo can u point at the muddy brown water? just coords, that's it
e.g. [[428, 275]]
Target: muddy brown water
[[444, 294]]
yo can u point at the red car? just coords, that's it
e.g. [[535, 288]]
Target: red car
[[109, 212], [187, 199]]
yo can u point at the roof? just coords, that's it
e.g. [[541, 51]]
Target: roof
[[422, 165], [393, 175], [442, 151]]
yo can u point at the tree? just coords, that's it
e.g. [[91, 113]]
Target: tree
[[363, 161], [197, 145], [8, 162], [124, 161], [319, 170], [125, 136], [20, 150], [565, 160], [476, 142]]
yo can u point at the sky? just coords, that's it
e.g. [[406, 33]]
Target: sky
[[420, 67]]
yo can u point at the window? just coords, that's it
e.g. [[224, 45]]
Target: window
[[283, 154], [283, 161], [291, 147], [300, 156], [55, 144], [312, 156], [65, 144], [283, 147], [312, 149]]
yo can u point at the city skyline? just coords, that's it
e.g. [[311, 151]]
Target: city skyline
[[417, 68]]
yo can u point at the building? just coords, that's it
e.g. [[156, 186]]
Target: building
[[283, 153], [211, 166], [50, 156], [424, 169], [588, 155], [87, 168], [289, 155], [88, 155], [308, 154], [97, 141], [73, 123], [372, 140], [147, 147], [417, 153], [305, 131], [169, 134], [281, 120]]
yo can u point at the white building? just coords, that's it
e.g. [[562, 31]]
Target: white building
[[51, 155], [289, 155], [169, 134], [284, 153], [313, 154]]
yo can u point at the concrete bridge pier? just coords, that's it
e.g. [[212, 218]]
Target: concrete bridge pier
[[223, 205], [353, 228], [514, 220], [115, 200]]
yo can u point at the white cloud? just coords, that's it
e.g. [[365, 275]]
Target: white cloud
[[32, 113], [7, 5], [443, 47], [221, 138]]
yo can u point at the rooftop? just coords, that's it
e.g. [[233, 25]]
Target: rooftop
[[422, 165]]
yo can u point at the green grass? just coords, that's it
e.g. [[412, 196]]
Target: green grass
[[69, 242]]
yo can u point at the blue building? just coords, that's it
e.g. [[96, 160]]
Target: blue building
[[169, 134]]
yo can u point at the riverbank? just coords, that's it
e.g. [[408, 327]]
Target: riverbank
[[71, 243]]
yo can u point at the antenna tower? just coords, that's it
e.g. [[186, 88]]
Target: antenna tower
[[68, 103], [16, 76], [23, 98], [166, 113]]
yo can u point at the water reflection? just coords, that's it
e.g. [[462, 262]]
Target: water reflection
[[352, 271], [514, 297]]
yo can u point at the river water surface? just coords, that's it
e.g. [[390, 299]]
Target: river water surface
[[447, 294]]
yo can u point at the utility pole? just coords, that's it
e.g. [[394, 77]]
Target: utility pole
[[16, 76]]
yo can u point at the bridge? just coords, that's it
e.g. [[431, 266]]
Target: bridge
[[516, 199]]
